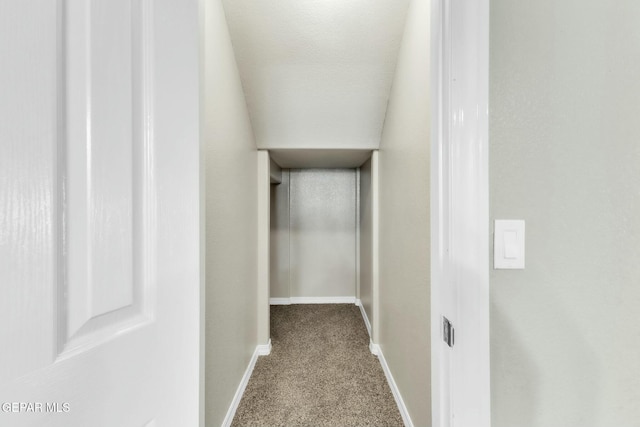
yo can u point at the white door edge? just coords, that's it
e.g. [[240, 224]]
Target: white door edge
[[464, 292]]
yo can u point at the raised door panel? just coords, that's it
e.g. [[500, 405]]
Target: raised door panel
[[106, 172]]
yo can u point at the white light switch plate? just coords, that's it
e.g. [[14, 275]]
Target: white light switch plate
[[508, 244]]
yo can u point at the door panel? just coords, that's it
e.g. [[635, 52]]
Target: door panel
[[100, 150], [105, 177], [99, 213]]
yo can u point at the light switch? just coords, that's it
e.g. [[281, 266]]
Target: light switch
[[508, 244]]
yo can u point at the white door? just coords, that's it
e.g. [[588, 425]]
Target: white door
[[99, 213], [460, 193]]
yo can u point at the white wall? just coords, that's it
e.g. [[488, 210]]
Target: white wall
[[231, 219], [565, 157], [321, 208], [404, 316]]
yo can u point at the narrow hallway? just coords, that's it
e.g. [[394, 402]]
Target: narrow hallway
[[320, 373]]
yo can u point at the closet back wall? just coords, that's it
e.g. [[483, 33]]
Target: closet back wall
[[313, 229]]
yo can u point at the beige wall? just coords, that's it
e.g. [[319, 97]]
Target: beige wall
[[231, 220], [565, 157], [279, 256], [404, 220], [366, 239], [263, 246]]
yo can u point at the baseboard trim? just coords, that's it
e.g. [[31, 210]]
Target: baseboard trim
[[377, 351], [374, 348], [312, 300], [261, 350], [264, 349], [364, 316], [279, 301]]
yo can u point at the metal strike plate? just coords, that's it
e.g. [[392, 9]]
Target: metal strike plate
[[448, 332]]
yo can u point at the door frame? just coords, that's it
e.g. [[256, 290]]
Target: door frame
[[459, 212]]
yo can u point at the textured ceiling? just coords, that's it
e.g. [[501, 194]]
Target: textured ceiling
[[316, 73]]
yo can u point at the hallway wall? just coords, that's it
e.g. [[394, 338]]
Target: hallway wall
[[279, 270], [565, 157], [404, 162], [366, 239], [318, 214], [231, 219]]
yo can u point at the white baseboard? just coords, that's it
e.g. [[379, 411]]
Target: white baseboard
[[364, 316], [279, 301], [374, 348], [377, 351], [312, 300], [261, 350], [264, 349]]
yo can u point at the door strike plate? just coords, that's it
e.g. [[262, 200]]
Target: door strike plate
[[448, 333]]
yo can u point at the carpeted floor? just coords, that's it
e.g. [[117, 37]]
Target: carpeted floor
[[319, 373]]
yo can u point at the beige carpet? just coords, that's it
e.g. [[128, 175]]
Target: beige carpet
[[319, 373]]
